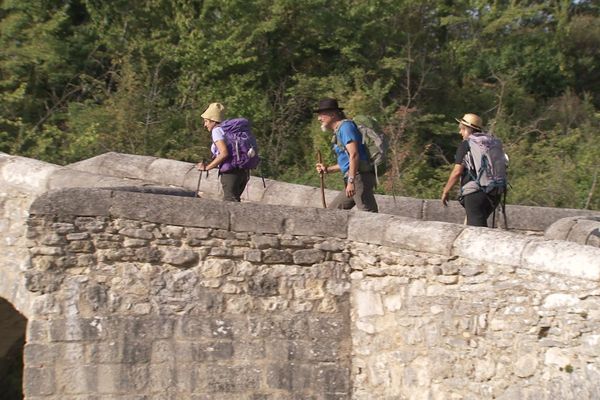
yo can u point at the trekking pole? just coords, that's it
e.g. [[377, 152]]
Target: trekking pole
[[200, 180], [322, 179], [503, 203]]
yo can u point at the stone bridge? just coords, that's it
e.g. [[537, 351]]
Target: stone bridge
[[118, 283]]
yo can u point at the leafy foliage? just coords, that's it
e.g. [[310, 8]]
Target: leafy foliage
[[83, 77]]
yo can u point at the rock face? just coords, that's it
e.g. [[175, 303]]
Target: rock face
[[145, 295]]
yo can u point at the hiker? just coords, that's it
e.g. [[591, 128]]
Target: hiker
[[350, 152], [477, 202], [234, 180]]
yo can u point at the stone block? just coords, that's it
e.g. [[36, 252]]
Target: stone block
[[162, 377], [216, 268], [560, 229], [583, 229], [333, 379], [429, 237], [233, 379], [274, 256], [212, 351], [250, 217], [37, 355], [80, 379], [565, 258], [491, 245], [180, 257], [279, 376], [78, 329], [149, 327], [367, 303], [329, 326], [308, 256], [212, 328], [265, 242], [166, 172], [37, 331], [434, 210], [38, 382], [401, 206], [76, 201], [171, 210], [136, 351], [263, 286], [366, 227]]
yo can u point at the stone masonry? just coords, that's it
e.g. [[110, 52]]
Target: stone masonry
[[146, 293]]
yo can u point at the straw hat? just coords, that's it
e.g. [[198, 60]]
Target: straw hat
[[472, 121], [214, 112], [328, 104]]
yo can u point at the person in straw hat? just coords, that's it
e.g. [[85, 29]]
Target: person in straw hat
[[478, 205], [350, 150], [234, 181]]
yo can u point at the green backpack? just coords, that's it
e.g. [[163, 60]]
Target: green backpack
[[375, 143]]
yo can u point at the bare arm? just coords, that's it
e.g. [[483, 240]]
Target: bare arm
[[223, 154], [452, 180], [352, 149]]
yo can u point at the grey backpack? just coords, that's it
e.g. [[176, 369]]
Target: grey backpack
[[486, 164]]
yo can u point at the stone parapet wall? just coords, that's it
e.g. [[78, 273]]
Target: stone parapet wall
[[432, 327], [171, 172], [169, 312], [234, 302]]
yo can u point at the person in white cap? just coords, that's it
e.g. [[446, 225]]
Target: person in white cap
[[234, 181], [478, 205]]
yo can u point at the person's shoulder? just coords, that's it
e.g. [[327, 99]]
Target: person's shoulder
[[218, 133], [348, 126]]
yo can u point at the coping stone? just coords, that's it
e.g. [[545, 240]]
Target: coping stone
[[565, 258], [260, 218], [581, 232], [168, 172], [370, 227], [116, 164], [560, 229], [73, 201], [491, 245], [26, 173], [427, 236], [402, 206], [168, 209], [434, 210]]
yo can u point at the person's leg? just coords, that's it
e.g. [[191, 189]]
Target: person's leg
[[242, 178], [365, 199], [229, 183], [341, 202], [477, 207]]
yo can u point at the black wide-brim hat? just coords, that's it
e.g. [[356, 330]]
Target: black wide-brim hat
[[327, 104]]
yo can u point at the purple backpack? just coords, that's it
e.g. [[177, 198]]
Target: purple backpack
[[241, 144]]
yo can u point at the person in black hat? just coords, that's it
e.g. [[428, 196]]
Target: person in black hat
[[350, 152]]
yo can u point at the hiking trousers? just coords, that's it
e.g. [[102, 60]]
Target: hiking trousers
[[479, 206], [233, 183], [364, 199]]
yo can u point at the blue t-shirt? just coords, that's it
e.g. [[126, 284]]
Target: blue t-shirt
[[346, 133]]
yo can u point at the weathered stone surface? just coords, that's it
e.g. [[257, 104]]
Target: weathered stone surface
[[308, 256], [431, 237], [180, 257], [414, 312], [491, 245], [563, 258]]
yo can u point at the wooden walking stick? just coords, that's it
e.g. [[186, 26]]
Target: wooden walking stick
[[322, 178]]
